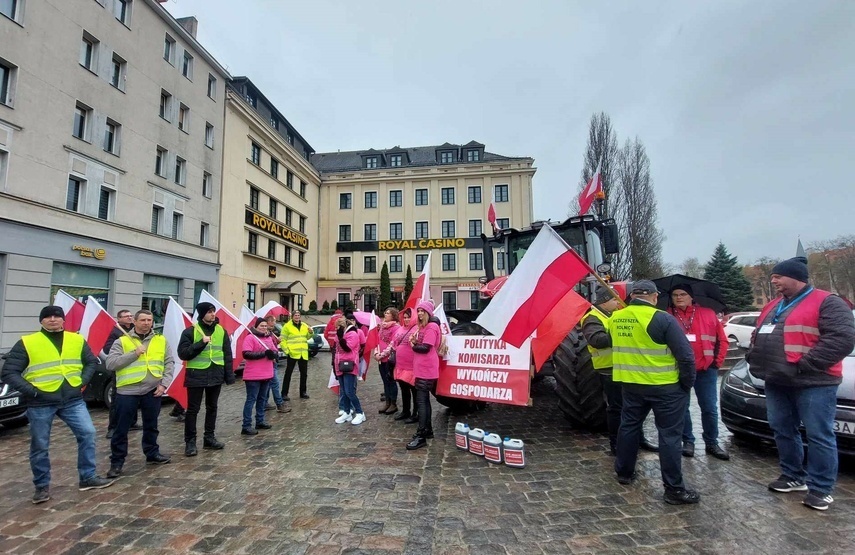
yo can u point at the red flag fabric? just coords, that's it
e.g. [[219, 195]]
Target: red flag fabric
[[229, 321], [544, 276], [332, 384], [176, 321], [421, 290], [491, 217], [589, 193], [557, 324], [272, 308], [372, 339], [96, 326], [73, 310]]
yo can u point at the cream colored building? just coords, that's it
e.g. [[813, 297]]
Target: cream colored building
[[111, 136], [400, 204], [269, 245]]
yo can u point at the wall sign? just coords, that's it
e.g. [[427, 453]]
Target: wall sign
[[89, 252], [410, 244], [275, 228]]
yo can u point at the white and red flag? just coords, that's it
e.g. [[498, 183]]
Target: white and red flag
[[589, 193], [491, 216], [271, 308], [541, 280], [421, 289], [557, 324], [73, 310], [96, 326], [372, 339], [333, 383], [247, 317], [175, 321]]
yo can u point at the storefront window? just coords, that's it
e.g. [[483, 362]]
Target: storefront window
[[198, 288], [156, 293], [80, 282]]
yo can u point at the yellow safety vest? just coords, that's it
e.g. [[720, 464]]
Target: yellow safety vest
[[151, 361], [601, 358], [295, 342], [636, 357], [213, 352], [48, 368]]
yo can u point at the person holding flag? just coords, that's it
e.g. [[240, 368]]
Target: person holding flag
[[346, 370], [143, 365], [208, 351], [386, 366], [425, 342]]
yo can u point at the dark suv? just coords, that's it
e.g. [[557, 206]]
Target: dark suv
[[13, 408]]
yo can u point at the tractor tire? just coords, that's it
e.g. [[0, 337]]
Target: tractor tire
[[580, 393]]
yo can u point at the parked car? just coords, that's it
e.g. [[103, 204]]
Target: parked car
[[102, 387], [743, 405], [315, 345], [13, 408], [739, 326], [319, 332]]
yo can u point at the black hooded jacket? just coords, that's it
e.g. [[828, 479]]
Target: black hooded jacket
[[189, 349]]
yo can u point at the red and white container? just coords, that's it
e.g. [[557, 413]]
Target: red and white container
[[461, 436], [493, 448], [476, 442], [514, 451]]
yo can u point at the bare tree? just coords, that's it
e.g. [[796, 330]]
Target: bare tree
[[602, 149], [832, 265], [691, 267], [758, 276]]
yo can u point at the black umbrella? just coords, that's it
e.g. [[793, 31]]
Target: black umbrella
[[704, 293]]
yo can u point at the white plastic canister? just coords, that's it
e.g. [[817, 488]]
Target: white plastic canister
[[476, 442]]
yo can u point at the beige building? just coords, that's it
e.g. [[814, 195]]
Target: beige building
[[269, 245], [111, 136], [398, 205]]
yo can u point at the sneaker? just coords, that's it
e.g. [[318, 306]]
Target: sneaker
[[248, 432], [358, 419], [813, 499], [95, 482], [346, 417], [341, 412], [785, 484], [682, 497], [157, 459], [717, 452], [180, 418], [114, 472], [41, 495], [417, 443]]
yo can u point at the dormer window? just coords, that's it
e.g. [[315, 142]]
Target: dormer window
[[251, 100], [371, 162], [446, 157], [274, 123], [473, 155], [395, 160]]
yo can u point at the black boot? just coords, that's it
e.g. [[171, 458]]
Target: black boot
[[646, 445], [403, 416], [418, 441], [190, 449], [211, 442], [414, 419]]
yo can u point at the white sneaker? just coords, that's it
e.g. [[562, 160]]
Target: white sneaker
[[341, 412], [358, 419], [346, 417]]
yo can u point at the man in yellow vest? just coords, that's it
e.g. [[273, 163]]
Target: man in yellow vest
[[50, 367], [208, 351], [294, 341], [654, 362], [143, 366]]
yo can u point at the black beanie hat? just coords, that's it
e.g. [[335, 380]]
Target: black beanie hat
[[259, 321], [683, 287], [795, 268], [203, 308], [51, 310], [602, 295]]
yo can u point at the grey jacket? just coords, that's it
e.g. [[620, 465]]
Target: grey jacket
[[118, 359]]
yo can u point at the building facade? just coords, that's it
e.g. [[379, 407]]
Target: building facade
[[269, 244], [111, 136], [399, 205]]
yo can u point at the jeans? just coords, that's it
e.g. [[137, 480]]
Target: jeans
[[669, 407], [112, 420], [423, 390], [273, 387], [126, 413], [348, 401], [408, 393], [194, 404], [815, 408], [256, 395], [76, 416], [390, 387], [706, 390], [289, 370], [614, 404]]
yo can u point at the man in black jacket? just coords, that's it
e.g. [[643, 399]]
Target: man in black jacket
[[208, 351], [125, 319], [49, 367]]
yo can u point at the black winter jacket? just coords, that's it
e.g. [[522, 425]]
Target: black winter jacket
[[17, 361], [597, 336], [215, 374]]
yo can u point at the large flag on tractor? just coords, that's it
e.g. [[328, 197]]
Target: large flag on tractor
[[97, 325], [421, 290], [176, 321], [557, 324], [589, 193], [73, 310], [541, 280]]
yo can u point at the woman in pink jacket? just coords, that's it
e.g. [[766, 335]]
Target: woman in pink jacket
[[403, 371], [346, 370], [425, 342], [260, 350], [388, 329]]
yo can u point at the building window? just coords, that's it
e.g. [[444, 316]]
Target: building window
[[255, 154], [371, 199], [117, 76], [187, 66], [501, 193], [345, 201], [446, 157], [88, 51], [212, 87], [4, 164], [396, 231], [209, 135], [274, 167], [476, 261], [421, 197], [168, 48], [180, 166], [290, 138], [206, 185], [473, 155], [289, 180], [253, 198], [289, 216], [369, 265], [449, 300], [475, 195], [369, 233], [422, 230], [396, 264], [6, 80], [503, 223], [421, 260], [160, 161], [474, 300], [449, 262], [252, 245], [250, 295], [302, 224], [203, 235], [74, 194], [271, 249], [343, 300], [303, 189], [287, 255], [396, 198], [301, 259], [344, 232], [500, 260], [274, 123], [105, 203], [157, 220], [344, 264], [273, 208], [371, 162], [448, 228], [251, 99], [112, 133], [165, 105], [177, 225], [184, 118], [123, 11], [81, 118], [448, 195], [9, 8], [475, 228], [395, 160]]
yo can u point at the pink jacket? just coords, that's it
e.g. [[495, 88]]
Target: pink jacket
[[388, 331], [403, 350], [351, 338], [426, 366], [262, 368]]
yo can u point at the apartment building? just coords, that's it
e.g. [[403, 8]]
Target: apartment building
[[111, 137], [269, 245], [398, 205]]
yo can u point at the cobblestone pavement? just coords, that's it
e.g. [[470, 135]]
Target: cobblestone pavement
[[311, 486]]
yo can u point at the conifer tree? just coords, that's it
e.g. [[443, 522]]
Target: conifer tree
[[724, 270], [408, 284], [385, 288]]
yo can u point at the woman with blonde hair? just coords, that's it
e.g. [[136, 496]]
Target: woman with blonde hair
[[425, 342]]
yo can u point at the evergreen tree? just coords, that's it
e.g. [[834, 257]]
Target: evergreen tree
[[724, 270], [313, 306], [385, 288], [326, 306], [408, 284], [334, 305]]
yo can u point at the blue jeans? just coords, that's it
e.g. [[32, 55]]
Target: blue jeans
[[274, 386], [126, 413], [390, 387], [348, 401], [256, 395], [706, 390], [76, 416], [815, 408]]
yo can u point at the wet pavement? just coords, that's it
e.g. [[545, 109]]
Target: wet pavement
[[311, 486]]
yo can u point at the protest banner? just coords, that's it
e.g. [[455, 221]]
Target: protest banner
[[486, 369]]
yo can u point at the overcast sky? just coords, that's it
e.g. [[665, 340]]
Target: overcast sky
[[747, 109]]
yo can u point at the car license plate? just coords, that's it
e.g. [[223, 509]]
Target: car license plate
[[9, 402], [844, 428]]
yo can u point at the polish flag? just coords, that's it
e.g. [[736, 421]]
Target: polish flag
[[96, 326], [175, 321], [557, 324], [231, 323], [421, 289], [273, 308], [73, 310], [590, 192], [333, 383], [540, 281], [491, 216], [372, 339], [247, 317]]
